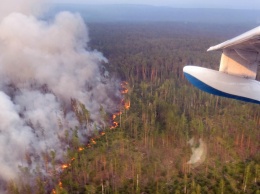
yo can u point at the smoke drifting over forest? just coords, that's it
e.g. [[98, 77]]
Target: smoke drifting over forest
[[43, 65]]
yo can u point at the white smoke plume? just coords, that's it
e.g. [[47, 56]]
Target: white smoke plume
[[43, 65]]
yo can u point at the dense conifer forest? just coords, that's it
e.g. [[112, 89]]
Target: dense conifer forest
[[148, 151]]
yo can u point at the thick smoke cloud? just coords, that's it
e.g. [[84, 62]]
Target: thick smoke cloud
[[43, 65]]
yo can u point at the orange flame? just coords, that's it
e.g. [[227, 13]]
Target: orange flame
[[60, 184], [127, 105], [114, 117], [124, 88], [93, 141], [114, 125], [64, 166], [81, 149], [124, 91]]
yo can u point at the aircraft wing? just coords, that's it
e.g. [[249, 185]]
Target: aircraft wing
[[240, 55], [237, 70]]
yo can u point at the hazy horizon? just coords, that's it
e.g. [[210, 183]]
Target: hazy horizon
[[144, 13], [221, 4]]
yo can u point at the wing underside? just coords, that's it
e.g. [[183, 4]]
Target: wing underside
[[240, 55]]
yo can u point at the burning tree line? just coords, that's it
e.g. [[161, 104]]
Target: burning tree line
[[83, 117], [75, 145]]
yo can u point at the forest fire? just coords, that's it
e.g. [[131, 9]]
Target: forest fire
[[60, 186], [93, 141], [126, 105], [53, 101], [114, 125], [124, 87], [80, 149], [64, 166], [114, 117]]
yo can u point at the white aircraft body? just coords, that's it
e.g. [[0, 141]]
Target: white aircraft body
[[237, 71]]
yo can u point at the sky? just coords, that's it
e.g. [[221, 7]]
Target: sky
[[232, 4]]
